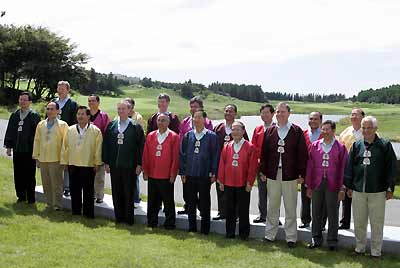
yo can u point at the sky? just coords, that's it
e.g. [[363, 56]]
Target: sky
[[307, 46]]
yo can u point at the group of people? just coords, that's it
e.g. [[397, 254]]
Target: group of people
[[74, 146]]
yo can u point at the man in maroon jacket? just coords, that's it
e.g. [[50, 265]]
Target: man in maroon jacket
[[163, 104], [283, 164]]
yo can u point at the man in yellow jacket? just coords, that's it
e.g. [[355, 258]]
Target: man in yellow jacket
[[47, 144], [81, 154]]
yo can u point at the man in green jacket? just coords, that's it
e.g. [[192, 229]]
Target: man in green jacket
[[18, 142], [370, 178], [122, 155]]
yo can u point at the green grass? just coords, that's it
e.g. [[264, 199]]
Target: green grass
[[31, 236]]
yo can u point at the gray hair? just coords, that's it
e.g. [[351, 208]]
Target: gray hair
[[164, 114], [371, 119], [284, 104], [60, 83]]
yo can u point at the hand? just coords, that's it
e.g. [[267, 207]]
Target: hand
[[37, 163], [248, 187], [183, 178], [107, 168], [172, 179], [309, 193], [145, 176], [213, 179], [300, 180], [350, 193], [341, 196], [8, 151], [263, 178], [389, 195], [221, 187], [138, 170], [96, 168]]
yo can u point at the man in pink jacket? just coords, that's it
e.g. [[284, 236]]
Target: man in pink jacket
[[324, 179]]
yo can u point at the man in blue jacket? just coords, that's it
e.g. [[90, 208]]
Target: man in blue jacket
[[198, 167]]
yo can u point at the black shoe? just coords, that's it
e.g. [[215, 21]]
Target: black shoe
[[21, 200], [99, 201], [291, 244], [31, 202], [192, 231], [323, 229], [67, 193], [218, 218], [280, 224], [333, 248], [344, 227], [314, 245], [169, 227], [259, 220], [304, 225], [182, 212], [230, 236], [267, 240]]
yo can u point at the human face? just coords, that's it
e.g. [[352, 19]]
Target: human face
[[24, 102], [327, 132], [266, 115], [123, 111], [282, 114], [356, 117], [62, 91], [368, 130], [237, 131], [82, 117], [194, 107], [314, 120], [93, 103], [229, 113], [198, 120], [51, 110], [163, 105], [162, 122]]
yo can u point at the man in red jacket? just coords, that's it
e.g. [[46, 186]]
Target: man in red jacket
[[160, 168], [267, 112], [236, 174]]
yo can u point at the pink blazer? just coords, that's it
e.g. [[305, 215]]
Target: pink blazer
[[335, 172]]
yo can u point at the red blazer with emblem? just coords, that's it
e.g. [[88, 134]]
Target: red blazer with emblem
[[258, 139], [167, 164], [238, 176], [307, 138]]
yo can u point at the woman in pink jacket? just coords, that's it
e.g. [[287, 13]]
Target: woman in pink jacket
[[324, 179]]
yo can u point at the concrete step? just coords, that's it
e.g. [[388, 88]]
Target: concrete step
[[391, 234]]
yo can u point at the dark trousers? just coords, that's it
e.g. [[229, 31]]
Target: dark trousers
[[81, 179], [321, 198], [237, 198], [123, 184], [199, 187], [24, 176], [262, 197], [346, 211], [221, 201], [160, 191], [305, 213]]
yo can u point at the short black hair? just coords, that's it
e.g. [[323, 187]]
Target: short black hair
[[331, 123], [56, 103], [320, 114], [82, 107], [233, 105], [198, 100], [269, 106], [27, 94], [131, 101], [96, 96], [203, 113], [164, 96]]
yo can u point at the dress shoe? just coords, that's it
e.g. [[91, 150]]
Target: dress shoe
[[280, 224], [314, 245], [67, 193], [267, 240], [218, 218], [323, 229], [182, 212], [304, 225], [333, 248], [259, 220], [291, 244], [99, 201], [344, 227]]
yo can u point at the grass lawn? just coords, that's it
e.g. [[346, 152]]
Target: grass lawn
[[31, 236]]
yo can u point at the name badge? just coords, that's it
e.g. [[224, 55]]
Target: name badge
[[325, 163], [227, 138], [21, 123], [281, 143], [281, 149], [325, 156], [159, 147], [120, 135], [367, 161], [367, 154], [158, 153], [120, 141], [235, 156], [196, 150], [235, 163], [20, 128], [197, 144]]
